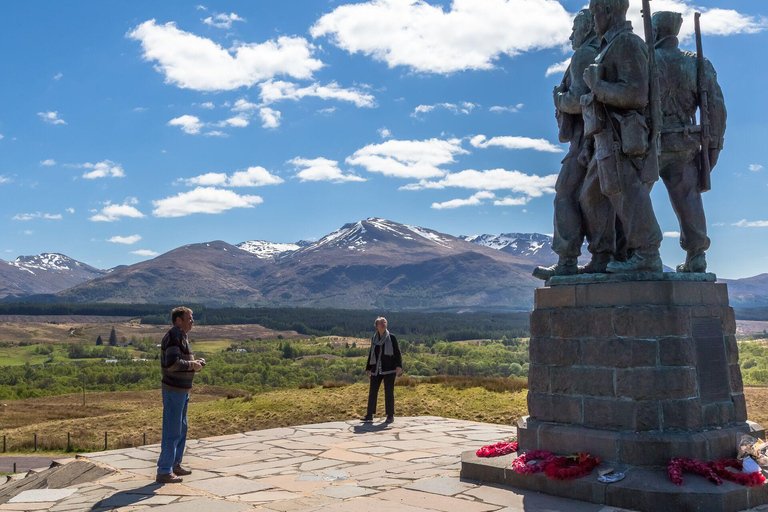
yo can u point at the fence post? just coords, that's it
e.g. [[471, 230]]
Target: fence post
[[35, 442], [105, 440], [145, 439], [69, 446], [3, 444]]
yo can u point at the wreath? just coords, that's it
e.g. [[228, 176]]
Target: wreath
[[498, 449], [571, 467], [748, 479], [521, 464], [715, 471]]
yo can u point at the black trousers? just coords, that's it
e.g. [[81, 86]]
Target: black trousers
[[389, 393]]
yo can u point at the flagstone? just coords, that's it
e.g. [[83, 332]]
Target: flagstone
[[373, 450], [42, 495], [27, 506], [346, 456], [447, 486], [346, 491], [226, 486], [382, 481], [264, 496], [304, 503], [204, 504], [408, 455], [433, 501], [295, 483]]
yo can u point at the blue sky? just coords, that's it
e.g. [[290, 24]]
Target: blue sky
[[156, 124]]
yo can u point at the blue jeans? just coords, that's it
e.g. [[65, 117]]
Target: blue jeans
[[174, 431]]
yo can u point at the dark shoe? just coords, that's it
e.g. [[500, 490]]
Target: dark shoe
[[168, 478], [696, 263], [180, 471], [637, 263], [389, 419], [597, 265], [367, 419], [564, 267]]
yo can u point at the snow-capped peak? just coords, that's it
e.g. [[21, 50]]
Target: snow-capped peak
[[519, 244], [267, 250], [45, 261]]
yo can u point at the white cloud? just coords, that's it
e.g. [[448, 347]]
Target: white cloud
[[188, 124], [529, 185], [48, 162], [145, 252], [28, 232], [756, 167], [671, 234], [222, 20], [140, 109], [208, 105], [51, 117], [471, 35], [70, 210], [252, 177], [384, 133], [275, 90], [743, 223], [321, 169], [127, 240], [201, 8], [1, 136], [479, 141], [512, 201], [714, 22], [103, 169], [237, 122], [4, 179], [202, 200], [215, 133], [58, 75], [464, 107], [327, 111], [473, 200], [193, 62], [37, 215], [113, 212], [559, 67], [512, 108], [269, 118], [243, 105], [408, 158]]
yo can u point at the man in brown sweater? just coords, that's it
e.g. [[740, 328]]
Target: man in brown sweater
[[178, 369]]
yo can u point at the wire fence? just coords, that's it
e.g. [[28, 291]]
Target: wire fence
[[75, 442]]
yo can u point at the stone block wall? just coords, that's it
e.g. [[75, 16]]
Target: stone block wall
[[635, 356]]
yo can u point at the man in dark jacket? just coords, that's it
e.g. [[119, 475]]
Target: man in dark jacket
[[384, 364], [178, 369]]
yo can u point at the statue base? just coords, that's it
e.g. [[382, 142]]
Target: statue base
[[635, 369]]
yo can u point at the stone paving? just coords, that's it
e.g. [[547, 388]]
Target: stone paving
[[410, 465]]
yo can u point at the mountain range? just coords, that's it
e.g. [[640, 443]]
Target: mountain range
[[370, 264]]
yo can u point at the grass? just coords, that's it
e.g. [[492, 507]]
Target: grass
[[127, 416]]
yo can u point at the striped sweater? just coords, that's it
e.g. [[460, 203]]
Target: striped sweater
[[175, 356]]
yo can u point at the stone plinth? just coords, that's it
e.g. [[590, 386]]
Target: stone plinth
[[640, 371]]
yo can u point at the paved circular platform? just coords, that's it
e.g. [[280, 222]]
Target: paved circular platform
[[410, 465]]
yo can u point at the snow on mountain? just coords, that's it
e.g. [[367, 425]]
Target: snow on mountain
[[46, 261], [526, 245], [267, 250]]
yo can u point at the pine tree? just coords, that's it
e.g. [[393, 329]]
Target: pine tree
[[113, 337], [99, 341]]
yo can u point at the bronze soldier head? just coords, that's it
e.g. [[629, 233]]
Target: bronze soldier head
[[666, 24], [608, 13], [583, 29]]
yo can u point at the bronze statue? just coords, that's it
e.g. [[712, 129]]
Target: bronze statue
[[617, 113], [570, 227], [689, 150]]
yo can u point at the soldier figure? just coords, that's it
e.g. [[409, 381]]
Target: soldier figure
[[617, 112], [681, 164], [570, 227]]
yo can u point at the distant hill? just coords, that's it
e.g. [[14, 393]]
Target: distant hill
[[373, 263], [370, 264], [44, 273]]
